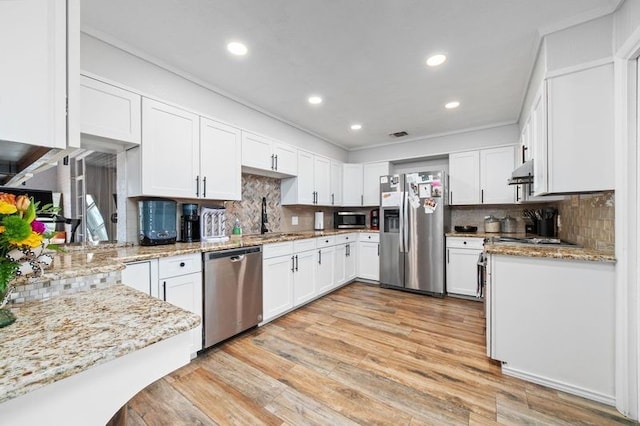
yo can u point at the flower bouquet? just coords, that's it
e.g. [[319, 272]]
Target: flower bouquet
[[23, 241]]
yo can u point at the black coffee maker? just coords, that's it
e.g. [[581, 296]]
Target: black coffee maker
[[190, 224]]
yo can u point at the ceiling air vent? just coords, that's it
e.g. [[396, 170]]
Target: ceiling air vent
[[399, 134]]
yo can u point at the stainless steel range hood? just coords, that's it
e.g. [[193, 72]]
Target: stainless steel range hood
[[523, 174], [19, 162]]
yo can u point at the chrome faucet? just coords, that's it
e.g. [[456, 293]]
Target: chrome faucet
[[263, 229]]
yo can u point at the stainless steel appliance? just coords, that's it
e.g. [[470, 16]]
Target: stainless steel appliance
[[349, 220], [414, 215], [157, 222], [318, 221], [232, 293]]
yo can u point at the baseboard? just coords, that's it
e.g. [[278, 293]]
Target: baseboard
[[561, 386]]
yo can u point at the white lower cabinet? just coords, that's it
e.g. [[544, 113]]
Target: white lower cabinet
[[277, 286], [324, 268], [142, 276], [462, 258], [304, 283], [346, 255], [180, 283], [552, 322], [369, 256]]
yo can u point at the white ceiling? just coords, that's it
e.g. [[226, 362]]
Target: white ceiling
[[366, 58]]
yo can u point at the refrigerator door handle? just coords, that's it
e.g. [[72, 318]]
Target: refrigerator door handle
[[405, 223], [401, 224]]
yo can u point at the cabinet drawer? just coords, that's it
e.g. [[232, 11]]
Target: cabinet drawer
[[304, 245], [464, 242], [372, 237], [346, 238], [277, 249], [327, 241], [179, 265]]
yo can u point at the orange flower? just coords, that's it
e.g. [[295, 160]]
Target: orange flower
[[8, 198], [22, 203]]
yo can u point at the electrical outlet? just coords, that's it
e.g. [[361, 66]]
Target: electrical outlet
[[294, 220]]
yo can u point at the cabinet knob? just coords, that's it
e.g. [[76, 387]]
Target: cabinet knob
[[182, 263], [464, 242]]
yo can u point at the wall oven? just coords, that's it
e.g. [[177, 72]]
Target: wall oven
[[349, 220]]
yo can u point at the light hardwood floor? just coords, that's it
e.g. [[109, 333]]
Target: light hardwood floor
[[361, 355]]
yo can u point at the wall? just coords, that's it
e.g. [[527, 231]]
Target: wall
[[437, 146], [588, 220], [126, 69], [424, 165]]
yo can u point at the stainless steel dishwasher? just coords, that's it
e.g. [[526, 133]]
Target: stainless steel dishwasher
[[232, 293]]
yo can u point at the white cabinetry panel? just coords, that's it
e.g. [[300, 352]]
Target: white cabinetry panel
[[220, 163]]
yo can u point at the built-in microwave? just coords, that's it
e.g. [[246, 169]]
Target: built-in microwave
[[349, 220]]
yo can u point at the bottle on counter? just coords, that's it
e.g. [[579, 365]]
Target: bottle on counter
[[236, 232]]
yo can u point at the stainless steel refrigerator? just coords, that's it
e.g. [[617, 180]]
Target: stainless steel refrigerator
[[414, 215]]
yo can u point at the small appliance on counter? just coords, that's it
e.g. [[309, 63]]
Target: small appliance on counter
[[318, 221], [190, 224], [374, 219], [157, 221]]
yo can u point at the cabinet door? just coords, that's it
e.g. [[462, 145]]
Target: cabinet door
[[170, 157], [496, 165], [305, 185], [371, 182], [324, 269], [109, 111], [304, 285], [220, 164], [462, 271], [336, 183], [464, 185], [33, 78], [580, 131], [526, 142], [322, 180], [368, 260], [352, 185], [277, 286], [185, 291], [539, 142], [257, 151], [340, 259], [286, 159], [138, 276], [351, 262]]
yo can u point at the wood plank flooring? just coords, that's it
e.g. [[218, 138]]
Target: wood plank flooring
[[361, 355]]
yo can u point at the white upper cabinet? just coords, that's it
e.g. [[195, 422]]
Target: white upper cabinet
[[581, 131], [496, 166], [220, 168], [371, 173], [109, 112], [262, 155], [169, 156], [313, 184], [481, 177], [33, 75], [464, 182], [352, 185], [336, 183]]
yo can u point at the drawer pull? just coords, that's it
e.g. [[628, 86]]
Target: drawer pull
[[182, 263]]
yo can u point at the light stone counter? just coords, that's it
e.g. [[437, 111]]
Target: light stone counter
[[549, 251], [60, 337]]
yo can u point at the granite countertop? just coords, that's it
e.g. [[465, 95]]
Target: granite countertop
[[65, 335], [554, 252], [78, 261], [482, 234]]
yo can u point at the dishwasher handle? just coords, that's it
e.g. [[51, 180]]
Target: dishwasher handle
[[237, 258]]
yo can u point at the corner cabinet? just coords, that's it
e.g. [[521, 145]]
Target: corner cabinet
[[481, 177], [312, 186], [371, 173], [33, 79], [183, 155], [352, 185], [336, 183], [264, 156]]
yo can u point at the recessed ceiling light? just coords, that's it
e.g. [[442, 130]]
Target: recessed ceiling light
[[436, 60], [315, 100], [356, 126], [237, 48], [452, 105]]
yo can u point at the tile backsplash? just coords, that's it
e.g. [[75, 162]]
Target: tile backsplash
[[474, 215], [588, 220]]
